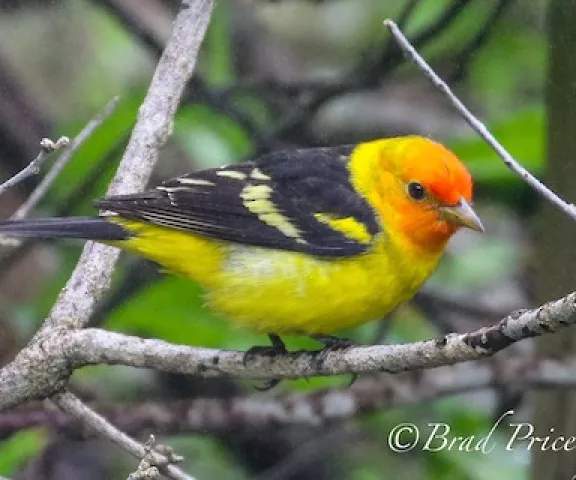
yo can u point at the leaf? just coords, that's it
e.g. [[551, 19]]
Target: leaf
[[20, 447], [112, 130], [210, 138]]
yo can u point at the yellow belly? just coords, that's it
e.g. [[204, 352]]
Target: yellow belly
[[286, 292]]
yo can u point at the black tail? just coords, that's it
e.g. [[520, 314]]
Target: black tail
[[87, 228]]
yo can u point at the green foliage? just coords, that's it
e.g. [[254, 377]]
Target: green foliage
[[19, 448], [522, 134], [180, 315], [116, 128], [504, 85], [217, 55], [210, 138]]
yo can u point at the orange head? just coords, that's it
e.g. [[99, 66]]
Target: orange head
[[421, 190]]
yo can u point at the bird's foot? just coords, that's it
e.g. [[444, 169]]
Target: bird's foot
[[336, 343], [331, 344], [277, 348]]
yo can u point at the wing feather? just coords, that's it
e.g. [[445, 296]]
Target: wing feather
[[280, 201]]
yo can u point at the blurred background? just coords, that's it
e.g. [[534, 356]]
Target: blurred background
[[280, 74]]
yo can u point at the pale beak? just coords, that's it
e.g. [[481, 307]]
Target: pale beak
[[462, 215]]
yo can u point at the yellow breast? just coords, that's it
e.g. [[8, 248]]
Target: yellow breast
[[287, 292]]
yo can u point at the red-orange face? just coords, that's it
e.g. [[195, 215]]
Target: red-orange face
[[425, 192]]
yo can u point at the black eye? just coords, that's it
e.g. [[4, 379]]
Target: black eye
[[416, 190]]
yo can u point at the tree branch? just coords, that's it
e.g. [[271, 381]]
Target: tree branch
[[75, 408], [43, 367], [217, 416], [63, 160], [47, 147], [81, 191], [477, 125], [197, 89], [92, 274]]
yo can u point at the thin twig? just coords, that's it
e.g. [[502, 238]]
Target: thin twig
[[113, 349], [74, 407], [128, 19], [44, 366], [63, 160], [197, 90], [218, 416], [442, 23], [368, 73], [81, 191], [476, 124], [47, 147], [407, 12], [370, 69], [93, 272]]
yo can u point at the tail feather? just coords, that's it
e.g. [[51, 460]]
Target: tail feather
[[86, 228]]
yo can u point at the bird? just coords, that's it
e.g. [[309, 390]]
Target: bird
[[296, 242]]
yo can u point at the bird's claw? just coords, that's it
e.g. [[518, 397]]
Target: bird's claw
[[331, 344], [259, 351], [277, 348]]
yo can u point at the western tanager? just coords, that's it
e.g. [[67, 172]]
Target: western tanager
[[307, 241]]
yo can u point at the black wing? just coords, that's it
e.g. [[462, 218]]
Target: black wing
[[281, 200]]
